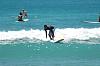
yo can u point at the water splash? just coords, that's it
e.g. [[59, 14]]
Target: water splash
[[68, 34]]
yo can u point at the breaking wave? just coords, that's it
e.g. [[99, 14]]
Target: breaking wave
[[68, 34]]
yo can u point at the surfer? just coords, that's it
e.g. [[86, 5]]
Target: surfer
[[99, 18], [24, 13], [51, 31]]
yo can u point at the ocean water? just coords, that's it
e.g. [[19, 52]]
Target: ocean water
[[24, 43]]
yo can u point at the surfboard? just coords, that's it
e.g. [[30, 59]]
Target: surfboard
[[24, 20], [91, 22], [58, 41]]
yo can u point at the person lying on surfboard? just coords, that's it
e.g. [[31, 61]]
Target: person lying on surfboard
[[51, 31]]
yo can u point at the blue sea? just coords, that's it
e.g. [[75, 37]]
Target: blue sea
[[75, 21]]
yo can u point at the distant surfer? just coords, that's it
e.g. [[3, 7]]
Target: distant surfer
[[99, 18], [51, 31], [24, 13]]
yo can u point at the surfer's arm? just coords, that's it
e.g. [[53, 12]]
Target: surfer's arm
[[46, 33]]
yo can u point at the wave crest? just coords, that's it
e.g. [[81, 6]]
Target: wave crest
[[68, 34]]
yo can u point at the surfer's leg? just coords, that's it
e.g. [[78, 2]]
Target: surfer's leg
[[53, 35], [50, 35]]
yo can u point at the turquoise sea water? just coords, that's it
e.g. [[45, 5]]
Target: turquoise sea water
[[24, 44]]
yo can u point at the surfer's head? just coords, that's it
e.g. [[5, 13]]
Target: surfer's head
[[46, 27]]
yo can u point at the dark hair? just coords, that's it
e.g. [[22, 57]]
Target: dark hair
[[20, 13], [45, 25]]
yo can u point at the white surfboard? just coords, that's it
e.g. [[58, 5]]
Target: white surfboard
[[91, 22], [24, 20]]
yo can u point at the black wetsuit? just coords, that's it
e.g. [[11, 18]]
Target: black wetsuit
[[99, 18], [51, 31], [20, 18], [46, 28]]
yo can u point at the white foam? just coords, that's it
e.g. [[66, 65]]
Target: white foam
[[67, 34]]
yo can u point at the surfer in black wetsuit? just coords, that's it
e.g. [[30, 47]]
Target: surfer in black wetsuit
[[99, 18], [51, 31]]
